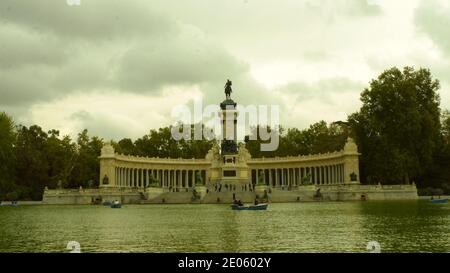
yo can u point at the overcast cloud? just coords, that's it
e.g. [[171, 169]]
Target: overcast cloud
[[118, 67]]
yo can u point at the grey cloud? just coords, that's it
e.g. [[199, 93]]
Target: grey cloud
[[24, 85], [321, 90], [93, 20], [49, 48], [22, 47], [434, 20], [350, 8], [99, 125], [178, 60]]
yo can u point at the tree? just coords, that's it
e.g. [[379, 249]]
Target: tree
[[446, 127], [7, 157], [32, 167], [318, 138], [86, 168], [61, 155], [397, 128]]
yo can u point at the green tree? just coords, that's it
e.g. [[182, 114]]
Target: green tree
[[86, 168], [61, 155], [397, 128], [7, 156], [32, 167]]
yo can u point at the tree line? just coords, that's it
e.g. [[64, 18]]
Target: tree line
[[400, 130]]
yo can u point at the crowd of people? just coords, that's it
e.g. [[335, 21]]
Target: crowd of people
[[219, 187]]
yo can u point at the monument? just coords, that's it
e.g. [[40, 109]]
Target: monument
[[228, 171], [229, 167]]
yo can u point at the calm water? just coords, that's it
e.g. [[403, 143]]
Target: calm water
[[412, 226]]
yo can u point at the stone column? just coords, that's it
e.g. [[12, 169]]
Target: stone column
[[351, 162], [130, 182], [334, 174], [167, 174], [124, 177], [121, 176], [277, 182], [118, 178], [172, 178], [317, 180], [270, 178], [330, 174], [140, 180], [320, 175]]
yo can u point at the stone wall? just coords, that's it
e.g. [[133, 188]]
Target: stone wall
[[85, 197], [350, 192]]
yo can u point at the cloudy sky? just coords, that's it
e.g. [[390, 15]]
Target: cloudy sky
[[118, 67]]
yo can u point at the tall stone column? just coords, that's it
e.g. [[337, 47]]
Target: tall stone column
[[121, 176], [316, 171], [107, 167], [351, 162], [334, 174], [270, 177], [288, 177]]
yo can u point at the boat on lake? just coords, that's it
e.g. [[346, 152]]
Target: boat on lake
[[116, 205], [12, 203], [251, 207], [107, 203], [439, 201]]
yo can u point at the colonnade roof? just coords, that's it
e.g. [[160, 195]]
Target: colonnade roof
[[158, 160]]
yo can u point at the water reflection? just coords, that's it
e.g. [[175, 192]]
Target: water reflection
[[300, 227]]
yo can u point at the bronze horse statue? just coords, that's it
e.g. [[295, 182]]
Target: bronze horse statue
[[228, 89]]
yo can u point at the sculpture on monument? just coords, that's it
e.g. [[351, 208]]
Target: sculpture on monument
[[353, 177], [228, 89], [105, 180], [229, 147]]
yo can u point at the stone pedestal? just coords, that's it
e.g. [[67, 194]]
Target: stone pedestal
[[152, 192], [201, 190], [259, 190]]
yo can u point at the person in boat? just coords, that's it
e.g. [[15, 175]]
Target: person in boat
[[240, 203], [256, 201]]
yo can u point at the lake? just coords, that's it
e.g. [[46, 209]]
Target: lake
[[400, 226]]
